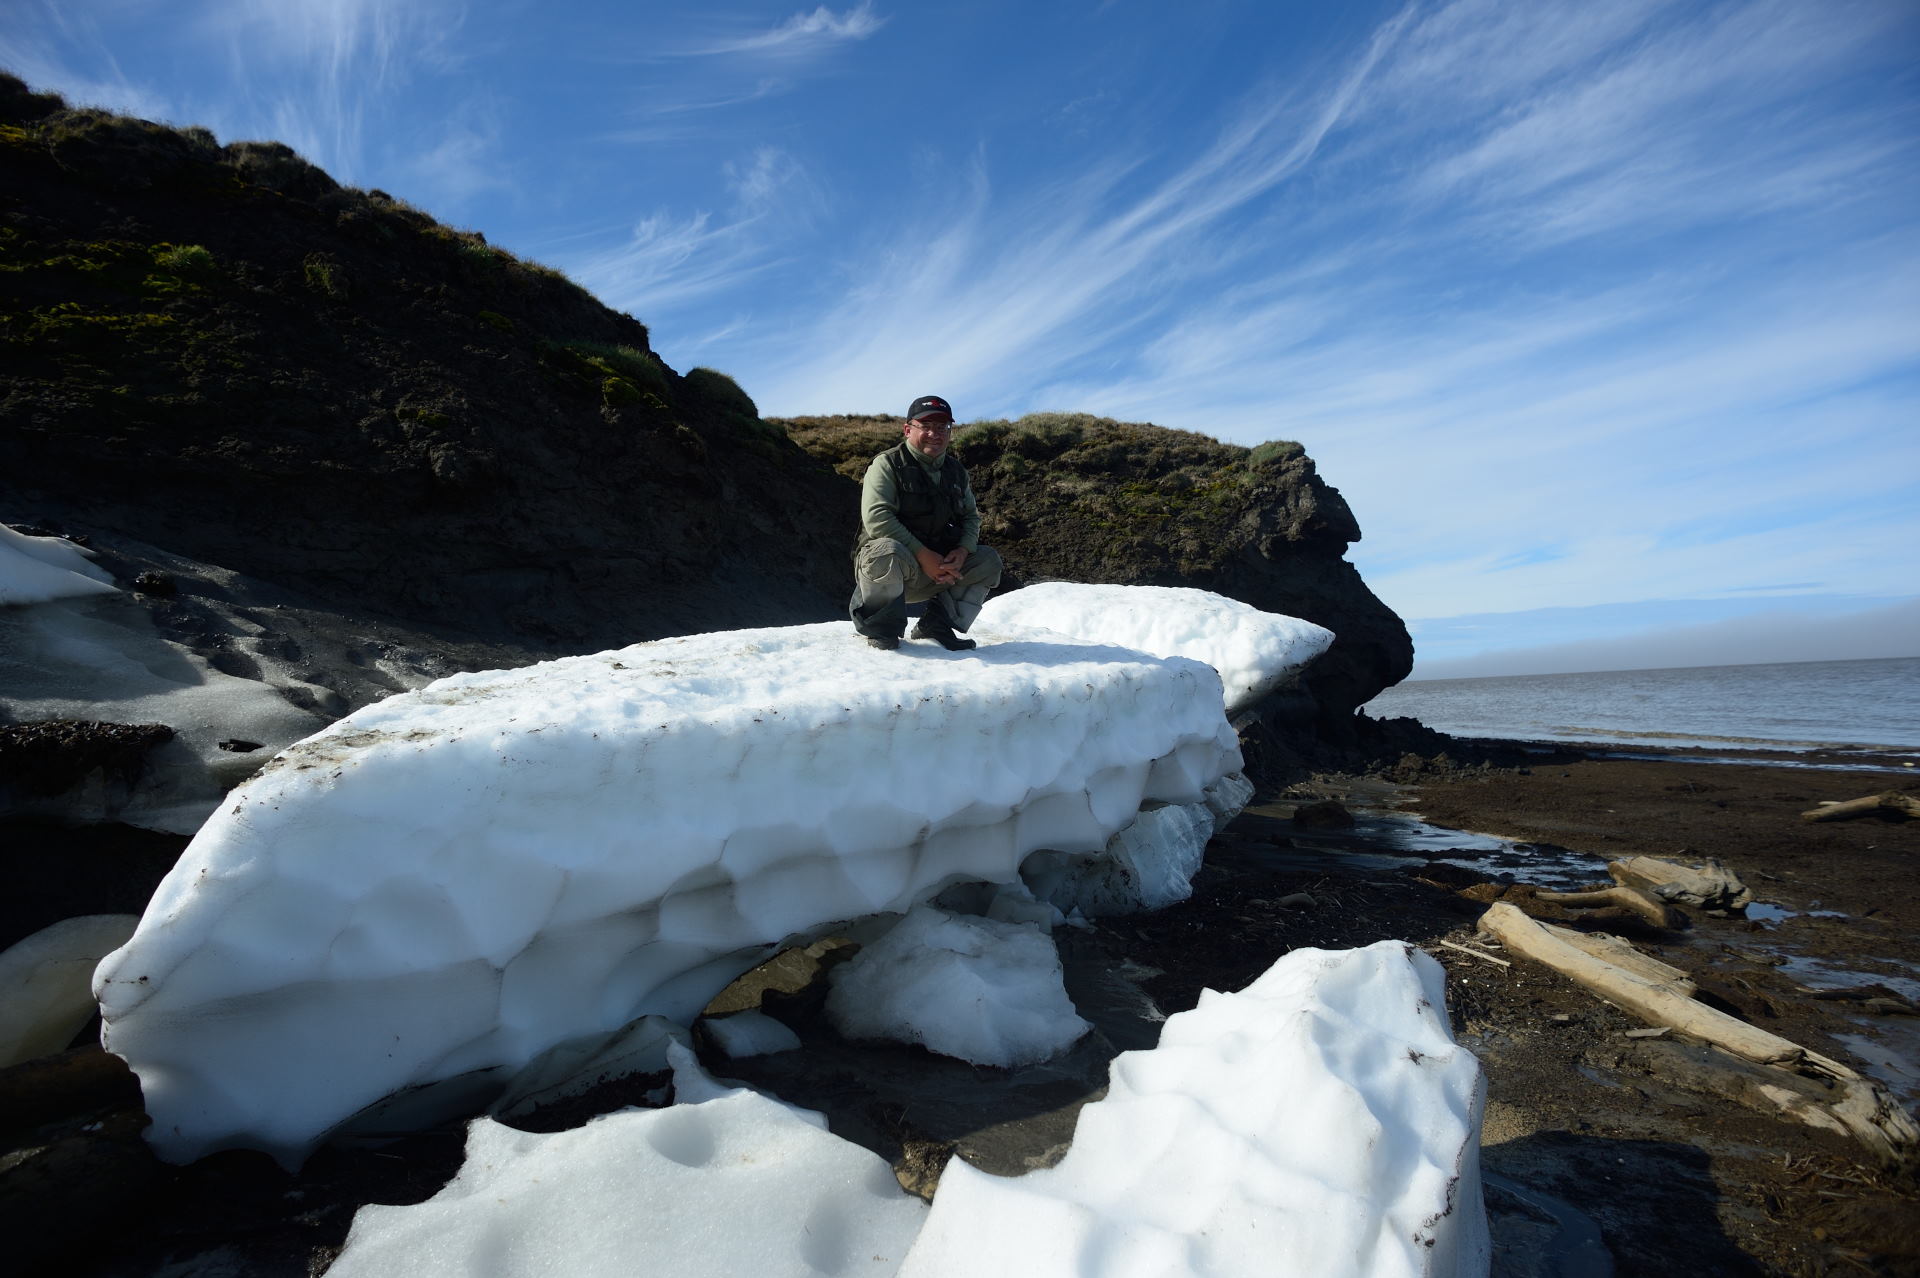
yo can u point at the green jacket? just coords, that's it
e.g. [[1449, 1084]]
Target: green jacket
[[918, 503]]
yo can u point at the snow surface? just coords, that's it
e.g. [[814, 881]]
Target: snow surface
[[45, 980], [978, 989], [1252, 650], [1322, 1121], [456, 878], [102, 659], [740, 1184], [37, 569]]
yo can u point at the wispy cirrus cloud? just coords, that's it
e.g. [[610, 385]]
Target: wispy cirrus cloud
[[1055, 273], [318, 71], [737, 69], [1660, 404], [801, 36], [328, 77], [1672, 121], [665, 262], [1721, 425], [50, 44], [459, 162]]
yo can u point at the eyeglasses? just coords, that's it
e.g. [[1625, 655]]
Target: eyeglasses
[[926, 425]]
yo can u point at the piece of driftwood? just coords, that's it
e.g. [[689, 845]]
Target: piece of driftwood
[[1863, 1107], [1660, 916], [1887, 803], [1468, 949], [1712, 1072], [1706, 883], [1611, 949]]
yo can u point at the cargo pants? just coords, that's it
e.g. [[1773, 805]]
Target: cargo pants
[[887, 578]]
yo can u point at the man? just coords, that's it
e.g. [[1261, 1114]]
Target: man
[[920, 538]]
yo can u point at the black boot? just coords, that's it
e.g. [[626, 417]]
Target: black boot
[[884, 628], [936, 627]]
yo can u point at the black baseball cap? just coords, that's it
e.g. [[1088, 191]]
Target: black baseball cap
[[929, 406]]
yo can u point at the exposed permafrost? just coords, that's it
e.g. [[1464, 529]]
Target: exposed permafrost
[[454, 879]]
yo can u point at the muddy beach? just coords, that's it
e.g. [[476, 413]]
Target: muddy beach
[[1600, 1156], [1678, 1178]]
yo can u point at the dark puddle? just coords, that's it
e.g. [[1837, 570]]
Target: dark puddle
[[1890, 1055], [1383, 840], [1825, 974], [1538, 1234], [1764, 912]]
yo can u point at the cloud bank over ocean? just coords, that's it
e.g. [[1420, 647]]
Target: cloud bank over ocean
[[1792, 630]]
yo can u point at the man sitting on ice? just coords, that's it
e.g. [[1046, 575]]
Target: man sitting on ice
[[920, 538]]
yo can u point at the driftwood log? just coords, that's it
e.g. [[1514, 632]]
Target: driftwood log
[[1855, 1104], [1622, 954], [1707, 884], [1889, 803], [1660, 916]]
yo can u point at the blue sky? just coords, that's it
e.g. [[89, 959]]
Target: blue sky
[[1597, 313]]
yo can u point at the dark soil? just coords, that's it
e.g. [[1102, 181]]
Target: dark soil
[[57, 871], [1680, 1181], [50, 756]]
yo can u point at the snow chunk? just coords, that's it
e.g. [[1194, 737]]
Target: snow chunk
[[102, 659], [1228, 797], [736, 1185], [1251, 649], [1322, 1121], [1148, 866], [984, 991], [37, 569], [45, 979], [750, 1033], [456, 878]]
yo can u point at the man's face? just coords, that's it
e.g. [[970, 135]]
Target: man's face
[[929, 435]]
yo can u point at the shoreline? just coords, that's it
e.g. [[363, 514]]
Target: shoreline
[[1834, 756], [1579, 1110]]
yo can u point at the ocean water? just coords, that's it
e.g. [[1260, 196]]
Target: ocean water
[[1803, 705]]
